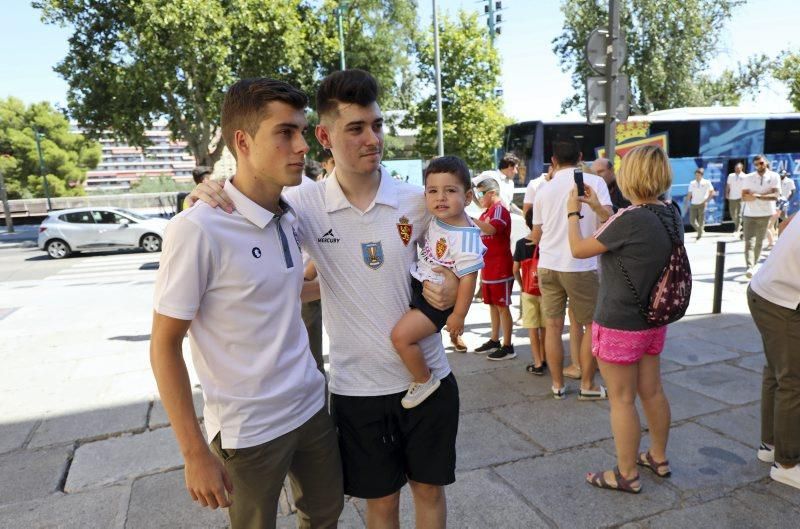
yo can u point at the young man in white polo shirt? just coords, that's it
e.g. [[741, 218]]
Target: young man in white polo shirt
[[561, 276], [700, 192], [361, 227], [234, 282], [733, 192], [760, 192], [774, 300]]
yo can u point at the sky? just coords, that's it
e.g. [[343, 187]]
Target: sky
[[532, 82]]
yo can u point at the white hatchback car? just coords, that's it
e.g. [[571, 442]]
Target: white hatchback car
[[96, 229]]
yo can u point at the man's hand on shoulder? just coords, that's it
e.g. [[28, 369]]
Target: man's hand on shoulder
[[212, 193], [207, 480], [441, 296]]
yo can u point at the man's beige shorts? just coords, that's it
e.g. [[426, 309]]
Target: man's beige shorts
[[532, 317], [579, 287]]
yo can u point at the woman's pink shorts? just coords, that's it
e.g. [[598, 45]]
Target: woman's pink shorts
[[626, 347]]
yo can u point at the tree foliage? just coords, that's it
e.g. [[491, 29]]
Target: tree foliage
[[472, 111], [130, 63], [788, 71], [670, 46], [67, 155]]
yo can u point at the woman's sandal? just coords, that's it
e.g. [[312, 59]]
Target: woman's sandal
[[646, 460], [624, 485]]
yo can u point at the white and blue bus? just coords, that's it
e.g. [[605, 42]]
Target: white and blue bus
[[715, 138]]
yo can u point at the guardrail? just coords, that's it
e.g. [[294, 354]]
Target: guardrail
[[37, 207]]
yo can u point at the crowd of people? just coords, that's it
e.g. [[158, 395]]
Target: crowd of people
[[243, 270]]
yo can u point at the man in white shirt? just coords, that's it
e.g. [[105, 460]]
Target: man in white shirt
[[774, 300], [234, 282], [530, 192], [509, 169], [733, 193], [361, 228], [787, 191], [759, 192], [700, 192], [561, 276]]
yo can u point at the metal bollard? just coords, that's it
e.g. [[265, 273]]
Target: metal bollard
[[718, 277]]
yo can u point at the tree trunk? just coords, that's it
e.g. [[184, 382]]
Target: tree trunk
[[6, 209]]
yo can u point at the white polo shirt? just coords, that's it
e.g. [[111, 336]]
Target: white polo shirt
[[700, 190], [787, 186], [532, 187], [735, 182], [506, 189], [238, 278], [550, 211], [778, 279], [763, 185], [363, 259]]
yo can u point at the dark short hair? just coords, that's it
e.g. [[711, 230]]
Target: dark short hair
[[699, 170], [346, 86], [566, 151], [759, 157], [509, 160], [325, 156], [529, 218], [200, 172], [312, 169], [449, 164], [245, 105]]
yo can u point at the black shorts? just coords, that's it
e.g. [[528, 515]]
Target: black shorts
[[383, 444], [438, 317]]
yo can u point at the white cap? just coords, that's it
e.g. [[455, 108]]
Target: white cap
[[487, 175]]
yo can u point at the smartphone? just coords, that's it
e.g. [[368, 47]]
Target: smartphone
[[579, 182]]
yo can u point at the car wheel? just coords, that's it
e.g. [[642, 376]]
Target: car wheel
[[151, 243], [58, 249]]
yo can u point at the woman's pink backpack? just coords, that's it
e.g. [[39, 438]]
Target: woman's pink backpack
[[670, 296]]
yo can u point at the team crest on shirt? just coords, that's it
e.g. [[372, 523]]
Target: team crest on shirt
[[372, 252], [441, 247], [405, 230]]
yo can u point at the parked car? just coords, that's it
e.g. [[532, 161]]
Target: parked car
[[67, 231]]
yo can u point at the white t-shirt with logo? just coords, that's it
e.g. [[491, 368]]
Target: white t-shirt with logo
[[238, 278], [550, 211], [700, 190], [457, 248], [763, 185], [363, 260], [787, 186], [778, 279], [532, 187], [735, 183]]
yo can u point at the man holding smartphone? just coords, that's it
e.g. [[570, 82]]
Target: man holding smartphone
[[561, 276]]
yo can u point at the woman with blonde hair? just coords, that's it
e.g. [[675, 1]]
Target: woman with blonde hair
[[635, 244]]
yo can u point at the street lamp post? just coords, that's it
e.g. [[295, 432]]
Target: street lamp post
[[339, 15], [6, 209], [38, 135], [437, 67]]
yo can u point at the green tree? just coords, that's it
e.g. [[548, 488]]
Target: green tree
[[130, 63], [670, 45], [788, 71], [472, 111], [67, 155]]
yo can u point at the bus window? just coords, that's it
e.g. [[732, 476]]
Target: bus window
[[782, 136], [589, 137], [684, 137]]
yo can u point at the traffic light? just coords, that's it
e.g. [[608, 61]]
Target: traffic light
[[493, 18]]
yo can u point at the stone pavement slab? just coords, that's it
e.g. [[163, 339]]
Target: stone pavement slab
[[14, 434], [706, 464], [483, 441], [481, 499], [743, 510], [32, 474], [790, 494], [754, 362], [720, 381], [113, 460], [478, 391], [741, 338], [683, 403], [91, 424], [104, 508], [693, 351], [742, 424], [515, 376], [161, 500], [556, 486], [556, 425], [158, 415]]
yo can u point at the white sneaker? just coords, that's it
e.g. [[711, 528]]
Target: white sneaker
[[417, 393], [749, 273], [787, 476], [766, 453]]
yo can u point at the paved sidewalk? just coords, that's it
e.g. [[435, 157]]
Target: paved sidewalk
[[85, 443]]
